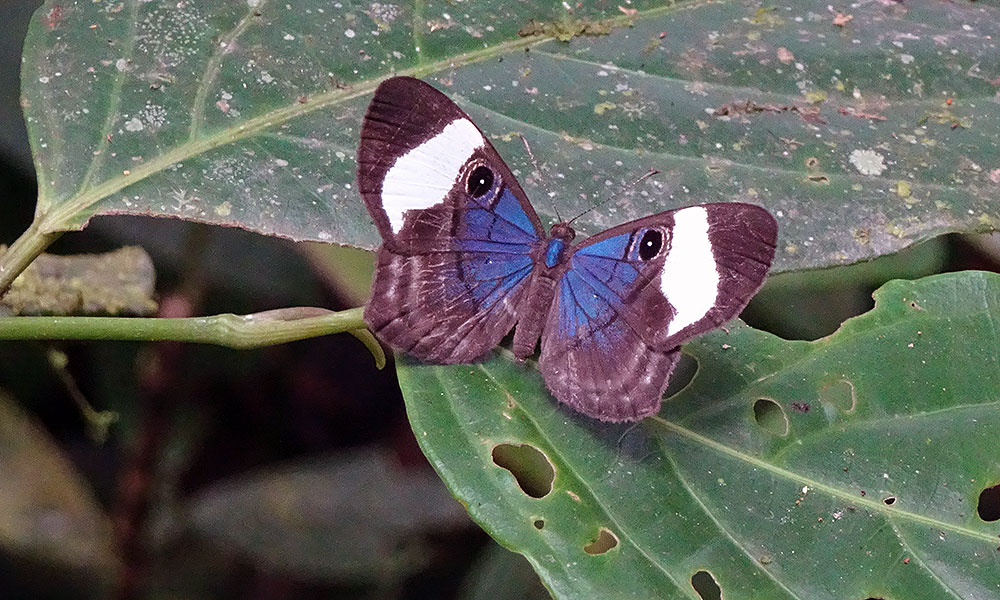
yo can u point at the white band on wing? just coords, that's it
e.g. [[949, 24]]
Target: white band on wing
[[423, 176], [690, 278]]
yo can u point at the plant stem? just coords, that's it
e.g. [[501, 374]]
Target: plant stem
[[234, 331], [22, 252]]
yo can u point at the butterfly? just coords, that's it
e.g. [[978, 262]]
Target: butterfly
[[464, 259]]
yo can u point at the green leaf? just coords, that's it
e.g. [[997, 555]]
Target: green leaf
[[861, 138], [849, 467]]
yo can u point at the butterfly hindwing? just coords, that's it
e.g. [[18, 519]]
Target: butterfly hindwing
[[458, 233], [631, 295]]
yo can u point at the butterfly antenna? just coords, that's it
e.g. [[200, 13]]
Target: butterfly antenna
[[625, 188], [538, 175]]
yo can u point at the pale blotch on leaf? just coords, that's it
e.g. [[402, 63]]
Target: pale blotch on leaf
[[603, 107], [868, 162], [903, 189]]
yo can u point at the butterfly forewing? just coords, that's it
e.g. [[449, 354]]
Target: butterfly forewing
[[457, 232]]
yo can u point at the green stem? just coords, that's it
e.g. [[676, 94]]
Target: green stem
[[22, 252], [234, 331]]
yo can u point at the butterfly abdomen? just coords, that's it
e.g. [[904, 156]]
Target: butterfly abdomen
[[532, 313]]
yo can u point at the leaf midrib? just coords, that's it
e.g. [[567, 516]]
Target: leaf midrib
[[61, 217], [711, 159], [878, 507]]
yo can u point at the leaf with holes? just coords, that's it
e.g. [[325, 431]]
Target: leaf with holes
[[864, 464], [862, 135]]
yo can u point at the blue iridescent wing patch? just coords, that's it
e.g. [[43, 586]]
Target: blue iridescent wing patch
[[495, 244]]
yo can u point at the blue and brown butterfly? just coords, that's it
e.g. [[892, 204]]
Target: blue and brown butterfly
[[465, 259]]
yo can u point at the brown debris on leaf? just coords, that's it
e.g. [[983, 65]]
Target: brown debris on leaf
[[785, 55], [565, 30], [807, 113], [841, 19], [853, 112]]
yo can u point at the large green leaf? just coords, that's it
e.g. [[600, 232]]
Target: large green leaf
[[849, 467], [861, 137]]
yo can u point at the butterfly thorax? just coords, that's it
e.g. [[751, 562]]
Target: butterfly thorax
[[560, 236]]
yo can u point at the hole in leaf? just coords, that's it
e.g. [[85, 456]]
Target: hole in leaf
[[770, 416], [889, 501], [989, 504], [706, 587], [605, 541], [819, 178], [532, 469], [839, 394], [539, 524], [812, 162], [683, 373]]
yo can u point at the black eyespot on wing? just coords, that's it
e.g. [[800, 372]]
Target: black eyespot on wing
[[480, 181], [650, 244]]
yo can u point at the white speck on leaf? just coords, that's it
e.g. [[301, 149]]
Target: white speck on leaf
[[349, 33], [121, 64], [868, 162], [134, 124], [289, 37], [906, 58]]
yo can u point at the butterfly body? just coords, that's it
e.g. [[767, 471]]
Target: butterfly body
[[465, 259]]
